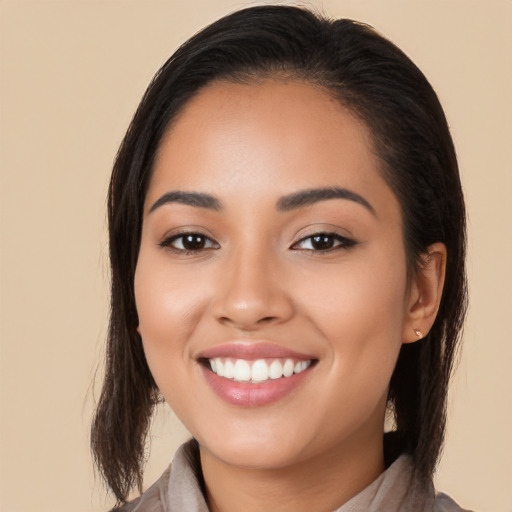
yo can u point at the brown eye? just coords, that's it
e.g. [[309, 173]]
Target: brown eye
[[193, 242], [324, 242], [189, 242]]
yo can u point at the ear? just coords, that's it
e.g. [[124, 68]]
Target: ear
[[425, 291]]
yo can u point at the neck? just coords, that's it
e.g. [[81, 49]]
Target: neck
[[322, 484]]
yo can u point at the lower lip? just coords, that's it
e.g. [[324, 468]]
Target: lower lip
[[245, 394]]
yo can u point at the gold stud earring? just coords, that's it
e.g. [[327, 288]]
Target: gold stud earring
[[418, 333]]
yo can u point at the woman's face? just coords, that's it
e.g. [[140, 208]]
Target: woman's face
[[271, 284]]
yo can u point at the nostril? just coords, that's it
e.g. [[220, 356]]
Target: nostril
[[247, 324], [250, 307], [266, 319]]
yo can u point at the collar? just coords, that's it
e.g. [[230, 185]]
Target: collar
[[392, 491]]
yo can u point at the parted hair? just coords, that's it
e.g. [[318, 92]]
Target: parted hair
[[378, 83]]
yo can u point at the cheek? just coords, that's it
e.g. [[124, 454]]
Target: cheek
[[169, 305], [360, 316], [360, 313], [363, 295]]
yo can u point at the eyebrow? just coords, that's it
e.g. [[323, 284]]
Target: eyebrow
[[284, 204], [312, 196], [196, 199]]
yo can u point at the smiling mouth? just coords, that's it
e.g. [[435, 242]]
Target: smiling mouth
[[256, 371]]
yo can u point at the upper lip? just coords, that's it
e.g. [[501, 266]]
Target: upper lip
[[252, 350]]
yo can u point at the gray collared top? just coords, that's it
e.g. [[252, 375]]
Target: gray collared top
[[177, 490]]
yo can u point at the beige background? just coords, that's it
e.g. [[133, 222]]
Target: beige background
[[71, 75]]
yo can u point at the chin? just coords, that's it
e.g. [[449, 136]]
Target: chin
[[253, 450]]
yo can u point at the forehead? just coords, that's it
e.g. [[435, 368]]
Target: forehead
[[231, 138]]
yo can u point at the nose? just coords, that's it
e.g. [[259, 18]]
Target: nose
[[251, 293]]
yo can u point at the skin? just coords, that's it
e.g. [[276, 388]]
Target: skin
[[350, 307]]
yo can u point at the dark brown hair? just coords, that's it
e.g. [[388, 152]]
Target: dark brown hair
[[377, 82]]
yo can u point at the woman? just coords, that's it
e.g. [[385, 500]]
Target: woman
[[287, 239]]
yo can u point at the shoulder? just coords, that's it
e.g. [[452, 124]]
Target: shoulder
[[178, 489], [443, 503], [152, 500]]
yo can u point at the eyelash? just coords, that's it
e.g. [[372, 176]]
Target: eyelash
[[340, 242], [168, 243], [343, 242]]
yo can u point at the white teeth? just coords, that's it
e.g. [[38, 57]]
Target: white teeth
[[288, 368], [301, 366], [229, 369], [258, 371], [276, 370], [242, 371]]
